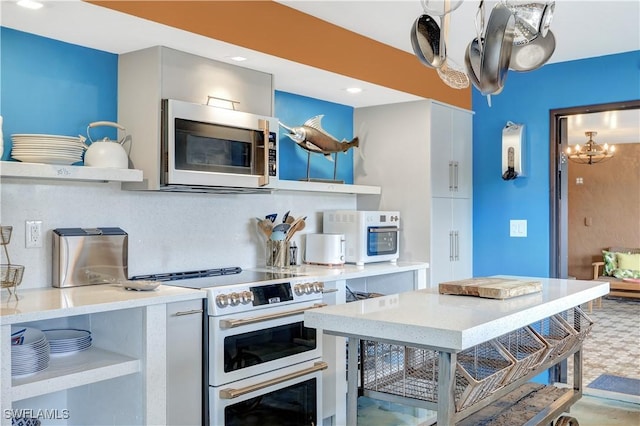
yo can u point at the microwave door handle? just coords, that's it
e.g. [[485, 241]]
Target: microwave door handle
[[233, 323], [231, 393], [264, 126]]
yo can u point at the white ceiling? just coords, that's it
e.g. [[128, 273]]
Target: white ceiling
[[582, 28]]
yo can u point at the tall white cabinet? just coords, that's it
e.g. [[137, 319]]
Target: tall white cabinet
[[420, 154]]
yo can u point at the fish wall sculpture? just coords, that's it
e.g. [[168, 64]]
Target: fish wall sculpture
[[313, 138]]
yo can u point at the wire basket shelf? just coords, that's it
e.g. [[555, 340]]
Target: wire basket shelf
[[413, 372]]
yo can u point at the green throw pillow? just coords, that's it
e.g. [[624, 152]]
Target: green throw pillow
[[626, 273], [610, 262], [628, 261]]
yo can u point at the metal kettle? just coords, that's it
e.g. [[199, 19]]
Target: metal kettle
[[106, 152]]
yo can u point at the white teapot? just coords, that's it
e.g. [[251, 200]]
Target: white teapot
[[106, 152]]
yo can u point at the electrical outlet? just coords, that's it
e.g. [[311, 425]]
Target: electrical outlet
[[517, 228], [33, 234]]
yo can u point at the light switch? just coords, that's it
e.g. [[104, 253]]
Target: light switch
[[517, 228]]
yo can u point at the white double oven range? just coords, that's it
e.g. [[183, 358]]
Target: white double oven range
[[261, 364]]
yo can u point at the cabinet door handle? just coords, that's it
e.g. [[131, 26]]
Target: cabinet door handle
[[455, 174], [450, 245], [231, 393], [192, 312], [457, 245], [450, 176]]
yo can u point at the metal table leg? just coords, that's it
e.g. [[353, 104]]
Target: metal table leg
[[352, 381], [446, 387]]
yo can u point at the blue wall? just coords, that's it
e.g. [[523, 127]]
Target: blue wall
[[293, 110], [527, 98], [52, 87]]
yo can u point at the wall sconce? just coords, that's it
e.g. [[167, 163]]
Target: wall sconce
[[221, 102], [512, 151]]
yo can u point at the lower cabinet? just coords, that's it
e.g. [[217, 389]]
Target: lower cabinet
[[184, 363], [451, 239], [120, 379]]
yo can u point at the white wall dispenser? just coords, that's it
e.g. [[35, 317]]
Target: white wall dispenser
[[513, 145]]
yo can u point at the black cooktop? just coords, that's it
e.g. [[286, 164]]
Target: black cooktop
[[215, 277]]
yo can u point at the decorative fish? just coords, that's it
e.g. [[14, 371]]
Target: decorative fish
[[313, 138]]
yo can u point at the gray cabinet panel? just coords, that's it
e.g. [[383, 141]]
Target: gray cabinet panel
[[184, 363]]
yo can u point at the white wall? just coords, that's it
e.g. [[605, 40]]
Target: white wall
[[168, 232]]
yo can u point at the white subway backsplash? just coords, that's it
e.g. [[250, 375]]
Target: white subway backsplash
[[167, 231]]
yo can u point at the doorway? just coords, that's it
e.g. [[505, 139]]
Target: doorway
[[559, 179], [568, 255]]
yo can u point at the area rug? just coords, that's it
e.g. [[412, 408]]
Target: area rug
[[618, 384]]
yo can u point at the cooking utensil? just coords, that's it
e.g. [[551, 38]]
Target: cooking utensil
[[533, 19], [472, 58], [271, 217], [106, 152], [440, 8], [297, 225], [533, 55], [450, 72], [497, 47], [265, 226], [427, 43], [282, 227]]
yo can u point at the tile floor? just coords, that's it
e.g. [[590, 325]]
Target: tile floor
[[613, 347]]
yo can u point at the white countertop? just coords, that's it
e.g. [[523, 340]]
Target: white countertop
[[425, 318], [49, 302], [46, 303], [351, 271]]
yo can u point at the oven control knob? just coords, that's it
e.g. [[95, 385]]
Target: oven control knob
[[298, 289], [234, 299], [308, 288], [318, 287], [247, 297], [222, 300]]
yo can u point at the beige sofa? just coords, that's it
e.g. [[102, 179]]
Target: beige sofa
[[617, 286]]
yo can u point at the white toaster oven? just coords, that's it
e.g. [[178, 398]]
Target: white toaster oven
[[370, 236]]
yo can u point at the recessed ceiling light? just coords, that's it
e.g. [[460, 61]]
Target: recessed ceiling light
[[354, 90], [30, 4], [237, 58]]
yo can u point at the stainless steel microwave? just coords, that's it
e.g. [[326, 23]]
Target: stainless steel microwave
[[205, 146]]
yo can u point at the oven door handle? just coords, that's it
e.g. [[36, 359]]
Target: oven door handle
[[383, 230], [233, 323], [231, 393]]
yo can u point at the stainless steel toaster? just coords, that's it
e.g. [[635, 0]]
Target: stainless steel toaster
[[87, 256]]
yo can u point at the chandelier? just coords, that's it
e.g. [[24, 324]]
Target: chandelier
[[591, 152]]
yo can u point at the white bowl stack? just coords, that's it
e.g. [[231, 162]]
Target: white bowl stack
[[48, 149], [68, 340], [29, 354]]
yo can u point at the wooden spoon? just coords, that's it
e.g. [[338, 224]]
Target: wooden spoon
[[266, 227], [297, 225]]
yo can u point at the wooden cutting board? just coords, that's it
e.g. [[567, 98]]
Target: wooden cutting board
[[491, 288]]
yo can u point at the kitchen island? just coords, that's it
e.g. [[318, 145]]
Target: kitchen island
[[448, 325]]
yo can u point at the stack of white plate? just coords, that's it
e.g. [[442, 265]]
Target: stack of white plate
[[68, 340], [48, 149], [29, 354]]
